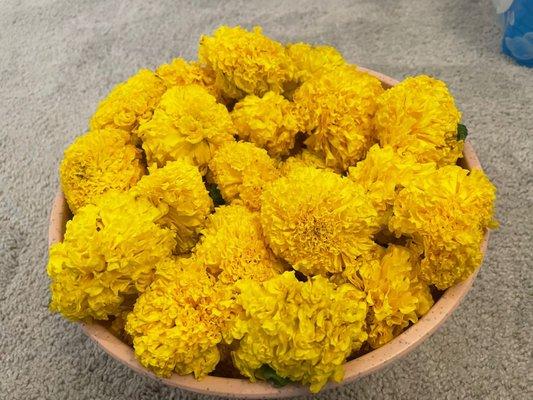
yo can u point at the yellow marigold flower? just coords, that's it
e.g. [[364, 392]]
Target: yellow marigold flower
[[241, 170], [336, 111], [118, 326], [245, 62], [232, 247], [317, 220], [383, 173], [445, 215], [107, 256], [370, 260], [189, 124], [305, 158], [97, 162], [395, 294], [130, 103], [304, 331], [312, 60], [181, 73], [267, 121], [178, 191], [177, 323], [419, 117]]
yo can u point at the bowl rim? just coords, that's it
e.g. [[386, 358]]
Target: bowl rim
[[242, 388]]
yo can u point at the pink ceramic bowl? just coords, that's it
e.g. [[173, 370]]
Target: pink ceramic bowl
[[241, 388]]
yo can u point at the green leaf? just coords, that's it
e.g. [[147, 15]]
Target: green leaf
[[215, 195], [268, 374], [462, 132]]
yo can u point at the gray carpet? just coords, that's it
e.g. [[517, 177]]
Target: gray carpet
[[58, 58]]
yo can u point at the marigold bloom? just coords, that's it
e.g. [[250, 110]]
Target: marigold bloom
[[118, 326], [268, 121], [241, 171], [395, 294], [317, 220], [189, 124], [350, 274], [177, 323], [107, 256], [245, 62], [180, 72], [336, 111], [130, 103], [311, 60], [383, 173], [302, 330], [305, 158], [445, 216], [419, 117], [97, 162], [232, 247], [178, 191]]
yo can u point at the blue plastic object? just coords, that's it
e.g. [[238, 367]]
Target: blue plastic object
[[517, 39]]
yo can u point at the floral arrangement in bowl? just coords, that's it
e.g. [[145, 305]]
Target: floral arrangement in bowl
[[266, 212]]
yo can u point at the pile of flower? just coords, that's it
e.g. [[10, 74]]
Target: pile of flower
[[269, 207]]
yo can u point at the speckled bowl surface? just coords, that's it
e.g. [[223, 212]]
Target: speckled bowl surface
[[241, 388]]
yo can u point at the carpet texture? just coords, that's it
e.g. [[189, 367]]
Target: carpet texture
[[58, 58]]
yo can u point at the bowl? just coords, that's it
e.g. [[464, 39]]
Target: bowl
[[242, 388]]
